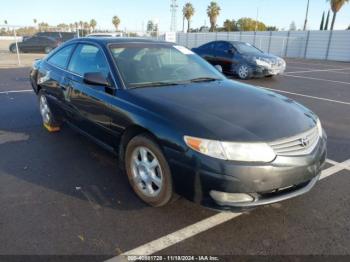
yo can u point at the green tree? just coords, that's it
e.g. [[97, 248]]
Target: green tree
[[93, 24], [188, 12], [116, 22], [249, 24], [322, 22], [271, 28], [213, 11], [35, 20], [86, 26], [327, 21], [336, 5], [5, 22], [230, 25], [63, 26], [43, 26]]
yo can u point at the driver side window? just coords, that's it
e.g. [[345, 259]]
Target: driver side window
[[88, 59]]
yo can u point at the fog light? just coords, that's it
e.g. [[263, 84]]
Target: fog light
[[223, 198]]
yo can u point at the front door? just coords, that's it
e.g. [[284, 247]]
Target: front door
[[89, 106], [224, 55]]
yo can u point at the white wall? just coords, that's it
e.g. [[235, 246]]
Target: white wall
[[298, 44]]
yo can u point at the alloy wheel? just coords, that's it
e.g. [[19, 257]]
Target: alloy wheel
[[243, 71], [45, 110], [146, 171]]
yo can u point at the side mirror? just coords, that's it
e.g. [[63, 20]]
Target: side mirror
[[219, 68], [96, 78]]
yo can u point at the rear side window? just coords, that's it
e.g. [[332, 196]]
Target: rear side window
[[222, 46], [88, 59], [208, 45], [61, 58]]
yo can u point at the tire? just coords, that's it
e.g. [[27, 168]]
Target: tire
[[243, 72], [48, 118], [13, 48], [148, 171], [48, 49], [270, 76]]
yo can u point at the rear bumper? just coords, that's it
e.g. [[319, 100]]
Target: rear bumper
[[196, 175]]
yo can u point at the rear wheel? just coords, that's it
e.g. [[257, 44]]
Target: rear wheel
[[148, 171], [244, 72], [47, 116], [13, 48]]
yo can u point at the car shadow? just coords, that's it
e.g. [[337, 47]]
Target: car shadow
[[71, 164]]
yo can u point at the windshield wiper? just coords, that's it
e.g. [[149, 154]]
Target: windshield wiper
[[204, 79], [153, 84]]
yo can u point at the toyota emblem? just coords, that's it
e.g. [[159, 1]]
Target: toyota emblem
[[304, 142]]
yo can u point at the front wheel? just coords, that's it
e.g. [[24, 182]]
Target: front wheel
[[148, 171], [244, 72]]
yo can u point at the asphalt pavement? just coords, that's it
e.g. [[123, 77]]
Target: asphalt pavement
[[60, 194]]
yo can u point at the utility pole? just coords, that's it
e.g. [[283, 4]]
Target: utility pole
[[173, 9], [257, 17], [307, 14]]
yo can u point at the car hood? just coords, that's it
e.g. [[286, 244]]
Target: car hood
[[227, 110]]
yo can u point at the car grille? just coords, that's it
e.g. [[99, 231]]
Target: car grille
[[301, 144]]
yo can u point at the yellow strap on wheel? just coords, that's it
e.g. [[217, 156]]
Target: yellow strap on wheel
[[51, 128]]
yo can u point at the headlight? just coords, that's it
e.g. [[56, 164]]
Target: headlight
[[262, 62], [250, 152], [319, 127]]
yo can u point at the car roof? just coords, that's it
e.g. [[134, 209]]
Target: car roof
[[117, 40], [107, 33]]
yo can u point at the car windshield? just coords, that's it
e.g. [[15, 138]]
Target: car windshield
[[142, 65], [246, 48]]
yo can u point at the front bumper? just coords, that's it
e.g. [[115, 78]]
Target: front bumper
[[196, 175], [260, 71]]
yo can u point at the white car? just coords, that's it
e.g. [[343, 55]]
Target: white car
[[117, 34]]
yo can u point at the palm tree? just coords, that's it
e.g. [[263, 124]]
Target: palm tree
[[116, 22], [188, 12], [336, 5], [213, 11], [327, 22], [87, 27], [322, 22], [93, 24]]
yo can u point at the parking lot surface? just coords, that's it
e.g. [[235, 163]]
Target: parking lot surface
[[61, 194]]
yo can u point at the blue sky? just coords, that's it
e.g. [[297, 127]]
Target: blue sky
[[134, 13]]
